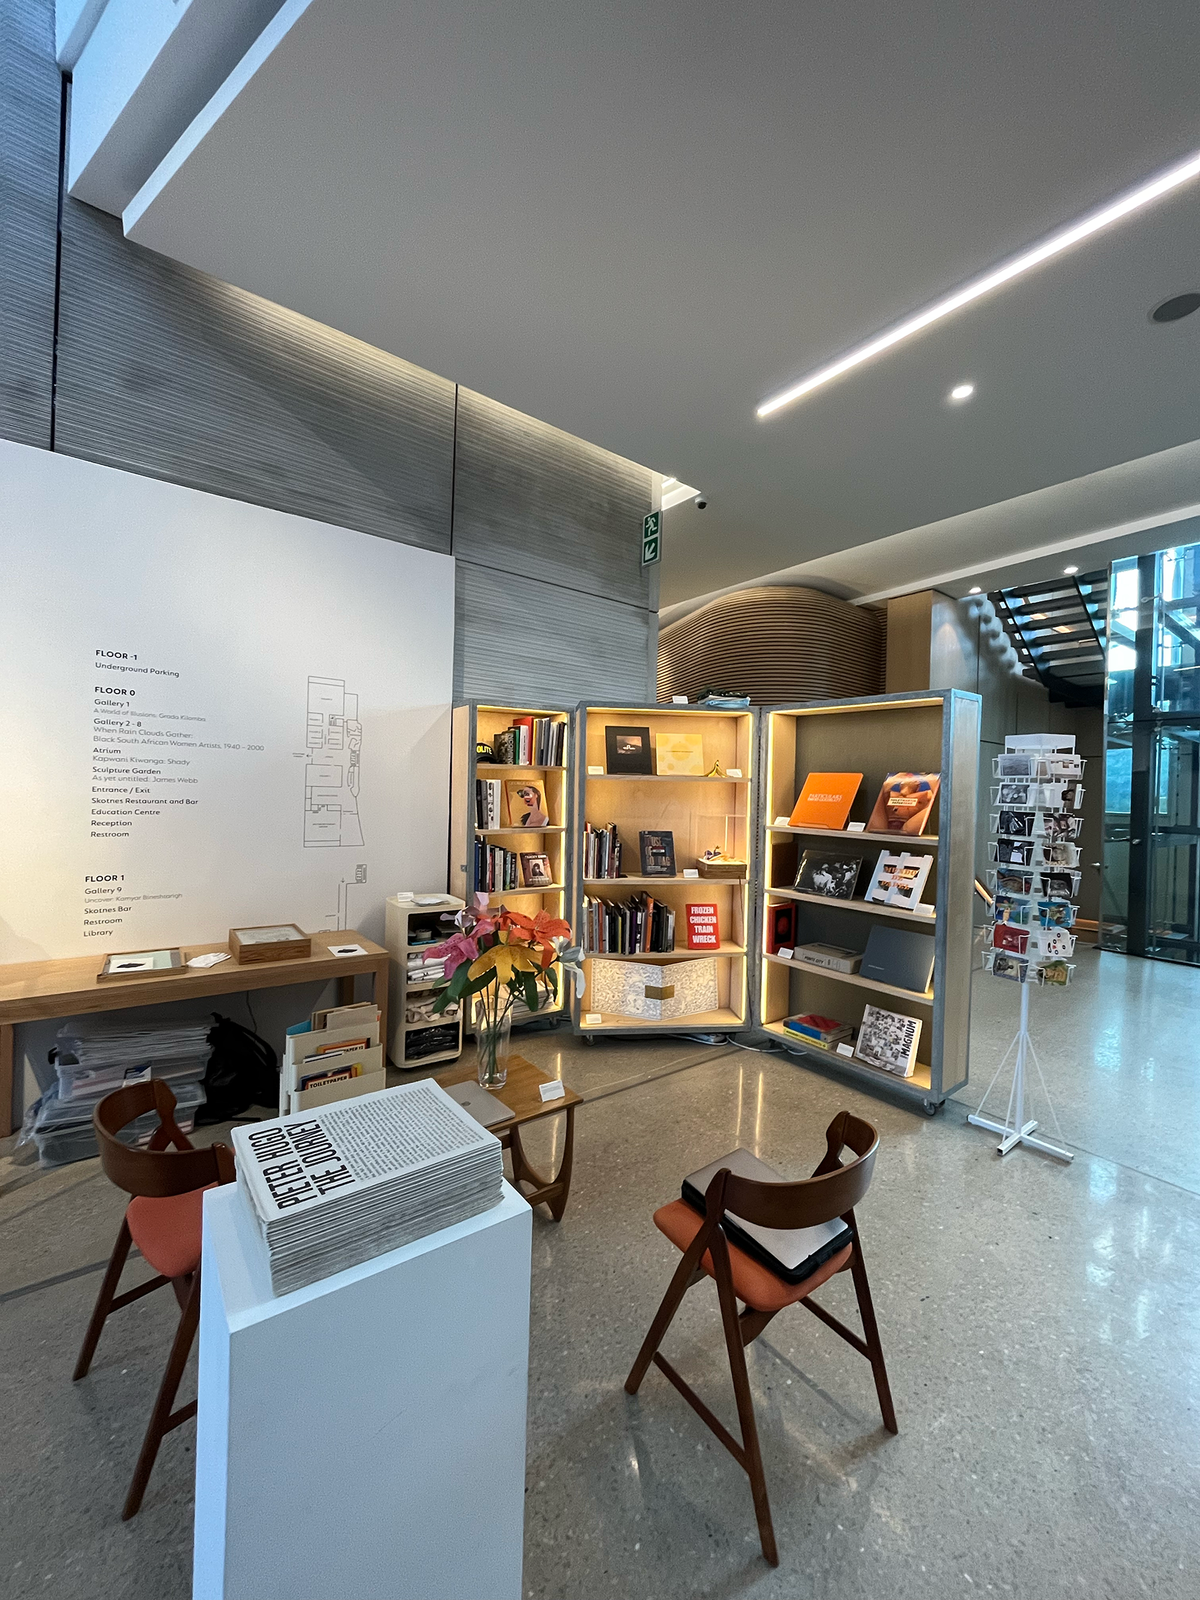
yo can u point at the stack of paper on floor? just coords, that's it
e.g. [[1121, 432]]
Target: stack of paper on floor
[[341, 1185], [334, 1056]]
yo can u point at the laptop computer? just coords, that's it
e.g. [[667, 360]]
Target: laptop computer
[[481, 1103]]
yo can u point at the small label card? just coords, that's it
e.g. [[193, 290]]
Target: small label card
[[856, 827], [733, 772], [592, 1019], [679, 699], [786, 953], [923, 910], [346, 950], [782, 822], [554, 1090], [845, 1049], [691, 872], [595, 772]]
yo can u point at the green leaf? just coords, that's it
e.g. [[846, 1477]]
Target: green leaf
[[531, 992]]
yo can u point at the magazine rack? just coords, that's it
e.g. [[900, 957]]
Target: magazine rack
[[934, 731]]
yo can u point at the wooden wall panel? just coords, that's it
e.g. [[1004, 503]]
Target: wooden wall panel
[[529, 498], [775, 643], [29, 120], [519, 639], [167, 372]]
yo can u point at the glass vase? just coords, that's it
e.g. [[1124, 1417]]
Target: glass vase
[[492, 1047]]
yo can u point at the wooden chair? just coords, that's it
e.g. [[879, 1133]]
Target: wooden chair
[[832, 1191], [164, 1220]]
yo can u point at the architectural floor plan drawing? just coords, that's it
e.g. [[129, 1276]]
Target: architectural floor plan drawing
[[331, 773]]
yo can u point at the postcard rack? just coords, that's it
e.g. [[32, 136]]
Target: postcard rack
[[932, 732], [677, 783], [483, 838]]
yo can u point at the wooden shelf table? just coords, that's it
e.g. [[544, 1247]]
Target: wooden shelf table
[[33, 991]]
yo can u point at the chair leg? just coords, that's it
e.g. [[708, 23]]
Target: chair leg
[[685, 1276], [104, 1300], [161, 1418], [866, 1310], [746, 1418]]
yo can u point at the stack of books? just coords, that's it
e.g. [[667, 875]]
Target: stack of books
[[639, 925], [329, 1189], [495, 867], [601, 852], [487, 802], [825, 1030], [531, 742]]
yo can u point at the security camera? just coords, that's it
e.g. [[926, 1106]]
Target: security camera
[[701, 502]]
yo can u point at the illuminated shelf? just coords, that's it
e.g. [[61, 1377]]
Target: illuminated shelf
[[898, 839], [665, 955], [921, 1078], [853, 978], [856, 905]]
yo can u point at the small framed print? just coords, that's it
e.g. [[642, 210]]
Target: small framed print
[[628, 752], [141, 964]]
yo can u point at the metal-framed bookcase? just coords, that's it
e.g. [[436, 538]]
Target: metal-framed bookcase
[[476, 721], [701, 812], [927, 730]]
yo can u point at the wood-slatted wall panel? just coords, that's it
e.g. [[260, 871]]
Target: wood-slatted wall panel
[[167, 372], [29, 118], [775, 644]]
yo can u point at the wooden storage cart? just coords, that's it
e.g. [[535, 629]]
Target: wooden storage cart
[[931, 731], [405, 922], [701, 812]]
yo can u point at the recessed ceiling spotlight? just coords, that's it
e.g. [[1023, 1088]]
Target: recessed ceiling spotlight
[[1093, 222], [1180, 305], [962, 391], [1069, 572], [975, 590]]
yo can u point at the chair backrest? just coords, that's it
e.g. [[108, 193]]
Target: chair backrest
[[832, 1191], [157, 1170]]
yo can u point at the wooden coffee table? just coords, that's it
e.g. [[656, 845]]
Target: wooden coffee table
[[521, 1094]]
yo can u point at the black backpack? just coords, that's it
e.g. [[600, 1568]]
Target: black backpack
[[243, 1071]]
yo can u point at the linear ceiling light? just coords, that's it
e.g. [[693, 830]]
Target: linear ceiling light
[[1054, 245]]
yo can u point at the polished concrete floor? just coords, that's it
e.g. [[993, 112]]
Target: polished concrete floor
[[1041, 1322]]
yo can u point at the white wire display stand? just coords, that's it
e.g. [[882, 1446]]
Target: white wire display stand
[[1015, 1130]]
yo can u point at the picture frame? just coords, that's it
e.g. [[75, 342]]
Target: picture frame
[[141, 964], [657, 852], [628, 752]]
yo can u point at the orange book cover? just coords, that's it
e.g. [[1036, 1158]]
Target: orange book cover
[[904, 803], [825, 800]]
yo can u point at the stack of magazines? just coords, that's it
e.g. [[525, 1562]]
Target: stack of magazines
[[335, 1187]]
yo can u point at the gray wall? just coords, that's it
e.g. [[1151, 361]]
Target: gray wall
[[965, 653], [163, 371]]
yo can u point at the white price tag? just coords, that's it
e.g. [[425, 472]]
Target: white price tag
[[733, 772], [679, 699], [592, 1019], [595, 772], [554, 1090], [856, 827], [786, 954], [845, 1049], [691, 872], [783, 822], [922, 910]]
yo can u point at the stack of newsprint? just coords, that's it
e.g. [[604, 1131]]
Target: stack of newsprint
[[337, 1186]]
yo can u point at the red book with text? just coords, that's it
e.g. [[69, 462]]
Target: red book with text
[[703, 932]]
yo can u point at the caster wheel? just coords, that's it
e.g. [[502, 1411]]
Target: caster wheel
[[587, 1039], [930, 1107]]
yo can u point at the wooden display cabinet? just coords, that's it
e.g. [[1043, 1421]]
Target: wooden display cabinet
[[477, 723], [701, 812], [935, 731], [408, 927]]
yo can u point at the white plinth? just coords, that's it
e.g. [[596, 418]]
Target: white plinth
[[364, 1438]]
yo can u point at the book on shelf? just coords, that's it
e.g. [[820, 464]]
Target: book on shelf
[[641, 925], [900, 958], [825, 800], [525, 804], [833, 957], [653, 993], [658, 852], [835, 876], [488, 792], [703, 925], [679, 755], [495, 868], [330, 1188], [781, 928], [889, 1040], [909, 882], [535, 869], [825, 1030], [601, 851], [531, 742], [905, 802]]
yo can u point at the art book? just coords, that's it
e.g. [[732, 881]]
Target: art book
[[680, 755], [658, 853], [831, 875], [883, 879], [825, 800], [904, 803], [703, 928], [525, 803], [889, 1040], [781, 928], [535, 870]]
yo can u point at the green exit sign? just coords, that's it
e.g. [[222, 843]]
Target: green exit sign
[[651, 537]]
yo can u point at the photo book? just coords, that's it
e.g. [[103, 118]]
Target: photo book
[[658, 853], [535, 870], [835, 876], [628, 752], [905, 802], [889, 1040], [825, 800], [680, 755], [525, 803]]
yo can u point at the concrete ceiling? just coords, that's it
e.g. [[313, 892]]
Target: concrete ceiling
[[636, 220]]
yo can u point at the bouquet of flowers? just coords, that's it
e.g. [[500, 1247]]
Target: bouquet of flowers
[[498, 958]]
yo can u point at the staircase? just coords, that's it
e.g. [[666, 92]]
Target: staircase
[[1058, 630]]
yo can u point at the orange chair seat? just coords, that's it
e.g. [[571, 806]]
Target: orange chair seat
[[753, 1283], [166, 1229]]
